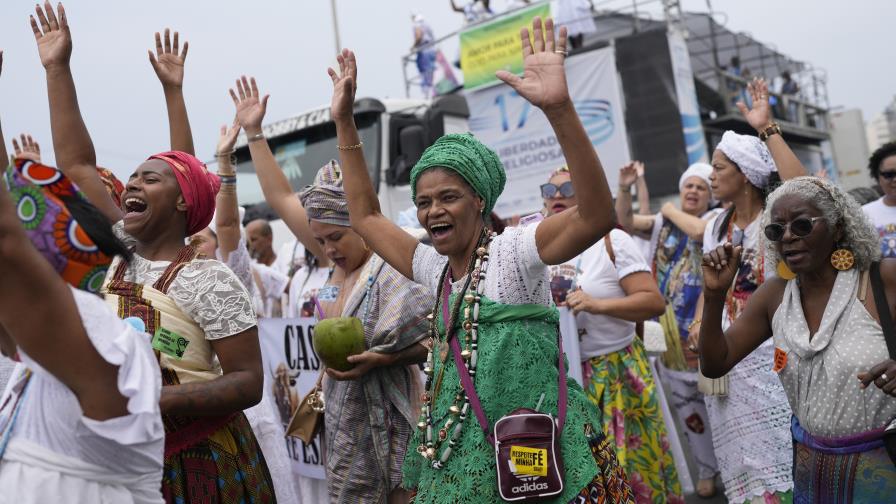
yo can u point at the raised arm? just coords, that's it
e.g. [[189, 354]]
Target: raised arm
[[690, 224], [28, 149], [250, 111], [760, 118], [720, 351], [635, 224], [643, 192], [388, 240], [168, 63], [563, 236], [227, 210], [52, 333], [72, 145]]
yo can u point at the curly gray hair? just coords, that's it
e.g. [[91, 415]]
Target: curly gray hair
[[837, 208]]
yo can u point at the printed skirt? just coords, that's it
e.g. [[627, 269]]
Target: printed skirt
[[621, 386]]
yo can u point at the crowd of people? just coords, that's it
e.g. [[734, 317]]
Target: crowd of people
[[129, 316]]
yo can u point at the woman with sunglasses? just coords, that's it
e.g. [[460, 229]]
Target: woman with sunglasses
[[750, 424], [824, 323], [609, 289], [882, 212]]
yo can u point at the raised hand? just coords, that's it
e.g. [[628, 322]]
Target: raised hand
[[29, 149], [759, 116], [543, 82], [227, 139], [719, 268], [345, 84], [628, 175], [168, 61], [54, 39], [250, 109]]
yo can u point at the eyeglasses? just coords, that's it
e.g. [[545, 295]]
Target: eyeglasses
[[799, 227], [889, 175], [565, 189]]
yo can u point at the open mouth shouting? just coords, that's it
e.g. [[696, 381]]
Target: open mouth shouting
[[134, 208], [440, 231]]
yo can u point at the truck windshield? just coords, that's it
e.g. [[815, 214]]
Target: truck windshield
[[301, 153]]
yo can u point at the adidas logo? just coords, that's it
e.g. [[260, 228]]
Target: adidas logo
[[529, 487]]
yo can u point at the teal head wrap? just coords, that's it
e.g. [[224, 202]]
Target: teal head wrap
[[471, 159]]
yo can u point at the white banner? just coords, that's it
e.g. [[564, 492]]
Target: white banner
[[570, 333], [692, 126], [525, 141], [291, 370]]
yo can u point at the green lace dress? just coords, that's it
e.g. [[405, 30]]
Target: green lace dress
[[517, 364]]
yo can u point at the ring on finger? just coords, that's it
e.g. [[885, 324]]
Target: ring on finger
[[884, 377], [558, 51]]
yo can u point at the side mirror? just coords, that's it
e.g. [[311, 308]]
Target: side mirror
[[412, 143]]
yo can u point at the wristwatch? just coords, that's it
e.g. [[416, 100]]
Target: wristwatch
[[771, 129]]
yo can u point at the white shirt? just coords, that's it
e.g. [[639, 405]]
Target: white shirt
[[305, 284], [291, 256], [55, 452], [883, 217], [598, 277]]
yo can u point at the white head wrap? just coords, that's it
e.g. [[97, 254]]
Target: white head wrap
[[750, 155], [701, 171]]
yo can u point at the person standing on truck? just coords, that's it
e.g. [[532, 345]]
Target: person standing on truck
[[426, 54]]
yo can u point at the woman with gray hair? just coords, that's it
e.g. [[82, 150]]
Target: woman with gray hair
[[826, 332]]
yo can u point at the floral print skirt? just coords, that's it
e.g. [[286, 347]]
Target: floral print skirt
[[621, 385]]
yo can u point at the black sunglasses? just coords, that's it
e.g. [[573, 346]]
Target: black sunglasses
[[550, 190], [799, 227], [889, 175]]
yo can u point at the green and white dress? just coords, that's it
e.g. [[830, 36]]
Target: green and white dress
[[517, 364]]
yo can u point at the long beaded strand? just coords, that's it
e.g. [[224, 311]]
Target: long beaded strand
[[459, 409]]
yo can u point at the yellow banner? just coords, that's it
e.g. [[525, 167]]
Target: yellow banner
[[495, 45], [529, 461]]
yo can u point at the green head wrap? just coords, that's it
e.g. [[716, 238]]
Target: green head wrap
[[469, 158]]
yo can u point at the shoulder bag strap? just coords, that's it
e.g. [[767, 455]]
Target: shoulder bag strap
[[883, 309], [467, 382]]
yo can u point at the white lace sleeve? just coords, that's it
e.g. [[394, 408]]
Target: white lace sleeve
[[212, 295], [240, 263], [428, 265]]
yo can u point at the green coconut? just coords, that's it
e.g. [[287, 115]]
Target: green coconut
[[334, 339]]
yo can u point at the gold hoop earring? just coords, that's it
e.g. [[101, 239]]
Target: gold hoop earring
[[784, 271], [843, 259]]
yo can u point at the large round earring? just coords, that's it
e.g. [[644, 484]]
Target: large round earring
[[784, 271], [843, 259]]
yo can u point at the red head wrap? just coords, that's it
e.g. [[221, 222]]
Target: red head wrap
[[198, 186]]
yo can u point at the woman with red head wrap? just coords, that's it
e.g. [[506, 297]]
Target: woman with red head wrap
[[197, 312]]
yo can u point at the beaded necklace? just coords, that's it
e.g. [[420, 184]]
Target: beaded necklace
[[760, 274], [457, 412]]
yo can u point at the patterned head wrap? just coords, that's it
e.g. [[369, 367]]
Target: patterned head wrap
[[324, 201], [198, 186], [469, 158], [39, 193], [750, 155]]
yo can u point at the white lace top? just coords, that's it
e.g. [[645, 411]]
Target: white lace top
[[516, 274], [206, 290]]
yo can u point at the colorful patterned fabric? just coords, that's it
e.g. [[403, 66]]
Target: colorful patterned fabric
[[679, 275], [621, 385], [197, 185], [38, 193], [324, 201], [517, 363], [228, 467], [841, 470], [609, 487]]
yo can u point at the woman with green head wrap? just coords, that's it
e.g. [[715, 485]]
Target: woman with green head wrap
[[508, 324]]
